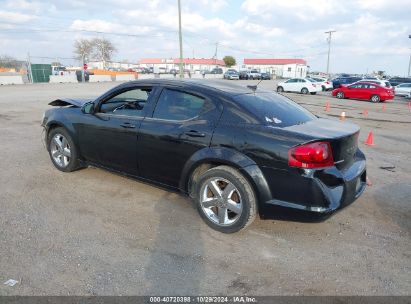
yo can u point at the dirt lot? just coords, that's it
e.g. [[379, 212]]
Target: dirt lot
[[95, 233]]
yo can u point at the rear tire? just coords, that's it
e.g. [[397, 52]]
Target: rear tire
[[375, 98], [304, 91], [225, 199], [280, 89], [340, 95]]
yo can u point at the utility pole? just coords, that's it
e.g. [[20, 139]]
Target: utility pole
[[329, 49], [83, 79], [409, 63], [29, 67], [216, 53], [180, 36]]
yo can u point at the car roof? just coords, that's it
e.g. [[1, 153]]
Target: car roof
[[367, 82], [213, 85]]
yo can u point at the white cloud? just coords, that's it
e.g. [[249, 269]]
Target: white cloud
[[302, 9], [14, 17]]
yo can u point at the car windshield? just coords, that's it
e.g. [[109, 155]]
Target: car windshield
[[274, 109]]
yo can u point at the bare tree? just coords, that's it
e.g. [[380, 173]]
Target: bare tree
[[103, 50], [83, 48]]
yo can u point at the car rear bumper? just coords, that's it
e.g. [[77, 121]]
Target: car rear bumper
[[321, 191]]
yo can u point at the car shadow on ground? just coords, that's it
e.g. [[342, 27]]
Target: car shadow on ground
[[176, 264]]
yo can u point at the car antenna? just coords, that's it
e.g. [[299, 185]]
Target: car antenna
[[254, 87]]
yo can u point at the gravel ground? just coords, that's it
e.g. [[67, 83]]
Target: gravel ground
[[92, 232]]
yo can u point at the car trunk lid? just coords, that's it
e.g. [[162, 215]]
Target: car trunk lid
[[342, 136]]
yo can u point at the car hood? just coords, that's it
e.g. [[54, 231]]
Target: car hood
[[78, 102]]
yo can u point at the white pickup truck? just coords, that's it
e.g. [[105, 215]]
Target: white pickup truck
[[253, 74]]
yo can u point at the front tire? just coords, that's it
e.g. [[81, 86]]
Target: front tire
[[375, 98], [225, 199], [280, 89], [63, 153]]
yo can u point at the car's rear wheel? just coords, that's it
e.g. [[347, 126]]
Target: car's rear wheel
[[63, 153], [280, 89], [340, 95], [304, 91], [375, 98], [323, 88], [225, 199]]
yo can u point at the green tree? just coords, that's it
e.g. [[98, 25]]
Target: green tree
[[229, 61]]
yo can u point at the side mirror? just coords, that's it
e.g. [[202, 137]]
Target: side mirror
[[88, 108]]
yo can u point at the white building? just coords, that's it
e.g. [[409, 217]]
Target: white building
[[286, 68], [193, 64]]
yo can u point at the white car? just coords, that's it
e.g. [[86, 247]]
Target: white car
[[299, 85], [403, 89], [381, 83], [326, 85]]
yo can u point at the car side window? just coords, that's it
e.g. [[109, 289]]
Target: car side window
[[128, 103], [372, 86], [353, 86], [177, 105]]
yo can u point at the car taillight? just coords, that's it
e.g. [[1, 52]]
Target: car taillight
[[327, 82], [312, 155]]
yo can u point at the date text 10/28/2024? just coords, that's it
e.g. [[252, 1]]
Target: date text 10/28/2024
[[203, 299]]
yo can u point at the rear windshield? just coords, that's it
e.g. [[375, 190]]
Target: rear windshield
[[274, 109]]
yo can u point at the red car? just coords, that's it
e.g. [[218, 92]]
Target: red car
[[364, 90]]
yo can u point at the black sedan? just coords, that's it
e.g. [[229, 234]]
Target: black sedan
[[237, 151]]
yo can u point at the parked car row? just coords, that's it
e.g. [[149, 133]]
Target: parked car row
[[246, 75]]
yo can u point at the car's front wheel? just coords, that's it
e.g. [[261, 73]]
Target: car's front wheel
[[280, 89], [225, 199], [63, 153]]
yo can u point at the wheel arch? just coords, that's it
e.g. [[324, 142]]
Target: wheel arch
[[208, 158], [52, 124]]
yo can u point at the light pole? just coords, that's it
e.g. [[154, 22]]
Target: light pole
[[180, 35], [329, 49]]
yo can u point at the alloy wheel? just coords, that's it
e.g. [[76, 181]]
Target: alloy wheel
[[60, 150], [221, 201]]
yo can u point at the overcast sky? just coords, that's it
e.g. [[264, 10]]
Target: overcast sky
[[371, 34]]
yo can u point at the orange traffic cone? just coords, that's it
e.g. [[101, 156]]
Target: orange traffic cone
[[370, 139], [365, 113], [342, 117], [327, 107]]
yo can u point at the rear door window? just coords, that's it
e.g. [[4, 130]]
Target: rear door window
[[274, 109], [178, 105]]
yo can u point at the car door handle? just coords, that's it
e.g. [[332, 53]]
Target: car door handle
[[194, 133], [128, 125]]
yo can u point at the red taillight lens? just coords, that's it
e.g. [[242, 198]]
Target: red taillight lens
[[312, 155], [327, 82]]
